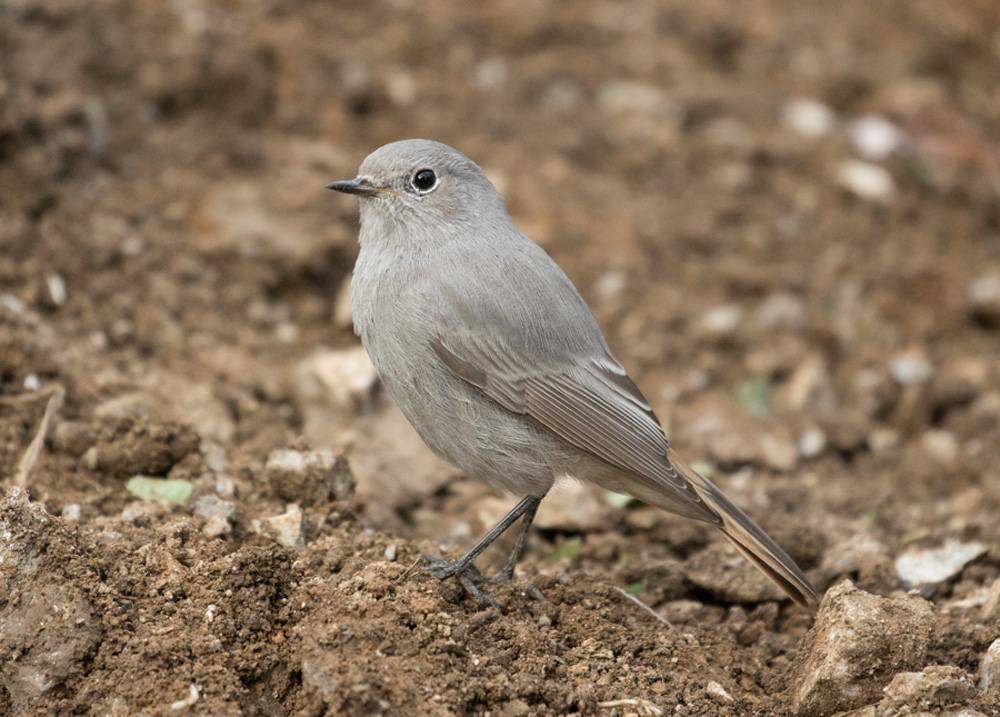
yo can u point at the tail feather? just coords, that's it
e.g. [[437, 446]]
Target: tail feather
[[753, 542]]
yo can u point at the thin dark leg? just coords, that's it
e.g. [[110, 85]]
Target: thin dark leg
[[465, 567], [507, 574]]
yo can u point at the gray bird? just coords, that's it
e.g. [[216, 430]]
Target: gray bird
[[496, 360]]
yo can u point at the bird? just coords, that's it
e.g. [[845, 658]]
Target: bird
[[496, 360]]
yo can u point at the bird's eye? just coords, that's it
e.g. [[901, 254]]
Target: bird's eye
[[424, 180]]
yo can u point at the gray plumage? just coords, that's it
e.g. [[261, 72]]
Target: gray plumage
[[494, 357]]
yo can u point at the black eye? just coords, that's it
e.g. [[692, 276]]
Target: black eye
[[424, 179]]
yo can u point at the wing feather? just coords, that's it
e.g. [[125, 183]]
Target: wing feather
[[591, 404]]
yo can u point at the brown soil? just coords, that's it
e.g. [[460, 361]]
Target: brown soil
[[170, 258]]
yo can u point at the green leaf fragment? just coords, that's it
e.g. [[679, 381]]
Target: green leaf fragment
[[755, 396], [703, 468], [568, 549], [620, 500], [634, 588], [146, 488]]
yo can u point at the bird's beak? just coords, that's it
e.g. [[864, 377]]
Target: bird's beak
[[355, 186]]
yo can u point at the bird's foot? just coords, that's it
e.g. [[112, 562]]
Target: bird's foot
[[468, 574]]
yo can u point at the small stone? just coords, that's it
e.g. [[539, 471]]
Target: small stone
[[210, 505], [991, 605], [57, 289], [940, 445], [216, 526], [71, 512], [718, 693], [778, 452], [780, 310], [286, 529], [989, 670], [809, 118], [516, 708], [811, 443], [858, 640], [342, 378], [911, 367], [610, 285], [225, 487], [934, 687], [390, 552], [984, 300], [215, 457], [144, 512], [491, 73], [926, 569], [866, 180], [576, 508], [875, 137], [720, 322], [332, 389], [309, 477], [810, 388]]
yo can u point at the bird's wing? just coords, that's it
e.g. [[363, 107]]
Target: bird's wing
[[588, 402], [593, 405]]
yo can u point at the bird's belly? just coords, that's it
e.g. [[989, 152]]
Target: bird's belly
[[467, 429]]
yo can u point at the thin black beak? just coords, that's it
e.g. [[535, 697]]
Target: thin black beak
[[353, 186]]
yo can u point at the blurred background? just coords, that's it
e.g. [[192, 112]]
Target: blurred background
[[785, 216]]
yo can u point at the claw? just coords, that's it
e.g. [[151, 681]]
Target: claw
[[468, 574]]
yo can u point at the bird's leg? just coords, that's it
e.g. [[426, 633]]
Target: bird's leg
[[507, 574], [465, 567]]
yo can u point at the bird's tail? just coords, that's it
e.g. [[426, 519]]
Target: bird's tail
[[753, 542]]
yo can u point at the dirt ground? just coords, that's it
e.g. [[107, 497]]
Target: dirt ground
[[810, 299]]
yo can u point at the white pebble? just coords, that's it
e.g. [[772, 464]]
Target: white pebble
[[875, 137], [809, 117], [940, 445], [610, 284], [912, 367], [721, 320], [866, 180], [926, 569], [718, 693], [812, 442], [57, 289]]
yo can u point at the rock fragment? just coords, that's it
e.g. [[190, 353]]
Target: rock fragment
[[809, 118], [332, 387], [984, 300], [934, 687], [989, 670], [926, 569], [857, 643], [309, 477], [866, 180], [51, 629], [287, 529]]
